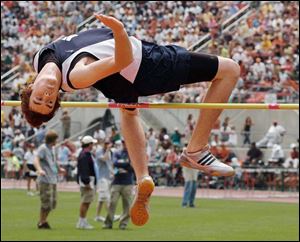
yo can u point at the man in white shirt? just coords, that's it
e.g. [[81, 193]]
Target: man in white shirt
[[274, 136]]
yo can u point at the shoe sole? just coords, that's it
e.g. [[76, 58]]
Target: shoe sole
[[138, 212], [206, 170], [83, 228]]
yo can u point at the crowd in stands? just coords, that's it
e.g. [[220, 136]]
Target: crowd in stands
[[163, 147], [266, 45]]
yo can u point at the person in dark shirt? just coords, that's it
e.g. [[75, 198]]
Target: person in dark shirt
[[254, 156], [122, 185], [87, 179]]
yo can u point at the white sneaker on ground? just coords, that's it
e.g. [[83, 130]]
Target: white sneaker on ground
[[83, 224], [117, 218], [205, 162], [99, 219]]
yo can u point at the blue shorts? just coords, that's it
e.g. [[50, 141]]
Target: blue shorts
[[165, 68]]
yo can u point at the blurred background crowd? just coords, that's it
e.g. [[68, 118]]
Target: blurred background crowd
[[265, 44]]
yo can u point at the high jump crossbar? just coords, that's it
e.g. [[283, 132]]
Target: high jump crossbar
[[275, 106]]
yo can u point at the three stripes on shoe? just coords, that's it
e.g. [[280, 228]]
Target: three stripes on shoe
[[206, 160]]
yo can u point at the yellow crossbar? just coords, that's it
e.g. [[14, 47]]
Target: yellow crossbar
[[287, 106]]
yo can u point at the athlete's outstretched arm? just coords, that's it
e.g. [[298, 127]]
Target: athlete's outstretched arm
[[86, 73], [123, 48]]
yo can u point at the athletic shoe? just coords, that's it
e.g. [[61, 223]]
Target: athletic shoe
[[83, 224], [30, 194], [139, 211], [205, 162], [122, 227], [117, 218], [43, 226], [99, 219], [105, 226]]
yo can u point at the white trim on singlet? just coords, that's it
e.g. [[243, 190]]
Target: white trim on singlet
[[36, 61], [105, 49]]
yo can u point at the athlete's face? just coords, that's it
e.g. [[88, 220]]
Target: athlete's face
[[44, 94]]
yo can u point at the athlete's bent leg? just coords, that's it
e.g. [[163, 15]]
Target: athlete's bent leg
[[197, 154], [218, 92]]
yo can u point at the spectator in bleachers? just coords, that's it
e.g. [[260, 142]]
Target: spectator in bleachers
[[273, 136], [19, 153], [17, 119], [161, 136], [246, 131], [19, 138], [292, 160], [7, 143], [176, 137], [233, 137], [166, 143], [115, 135], [225, 130], [66, 124], [254, 156], [99, 135], [277, 156], [152, 141], [189, 126], [12, 164], [7, 130]]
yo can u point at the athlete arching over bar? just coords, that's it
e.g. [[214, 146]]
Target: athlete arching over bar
[[124, 68]]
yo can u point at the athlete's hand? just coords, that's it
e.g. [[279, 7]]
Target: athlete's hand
[[110, 22]]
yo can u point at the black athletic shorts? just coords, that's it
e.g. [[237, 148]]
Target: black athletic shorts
[[31, 172], [165, 68]]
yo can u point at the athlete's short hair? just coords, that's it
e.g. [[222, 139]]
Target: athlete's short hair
[[35, 119]]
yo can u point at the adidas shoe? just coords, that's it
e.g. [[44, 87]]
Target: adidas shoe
[[205, 162], [139, 211]]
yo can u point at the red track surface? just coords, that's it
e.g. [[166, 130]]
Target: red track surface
[[251, 195]]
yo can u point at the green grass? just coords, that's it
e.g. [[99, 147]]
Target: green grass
[[213, 219]]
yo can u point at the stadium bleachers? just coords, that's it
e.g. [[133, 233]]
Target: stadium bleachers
[[265, 43]]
